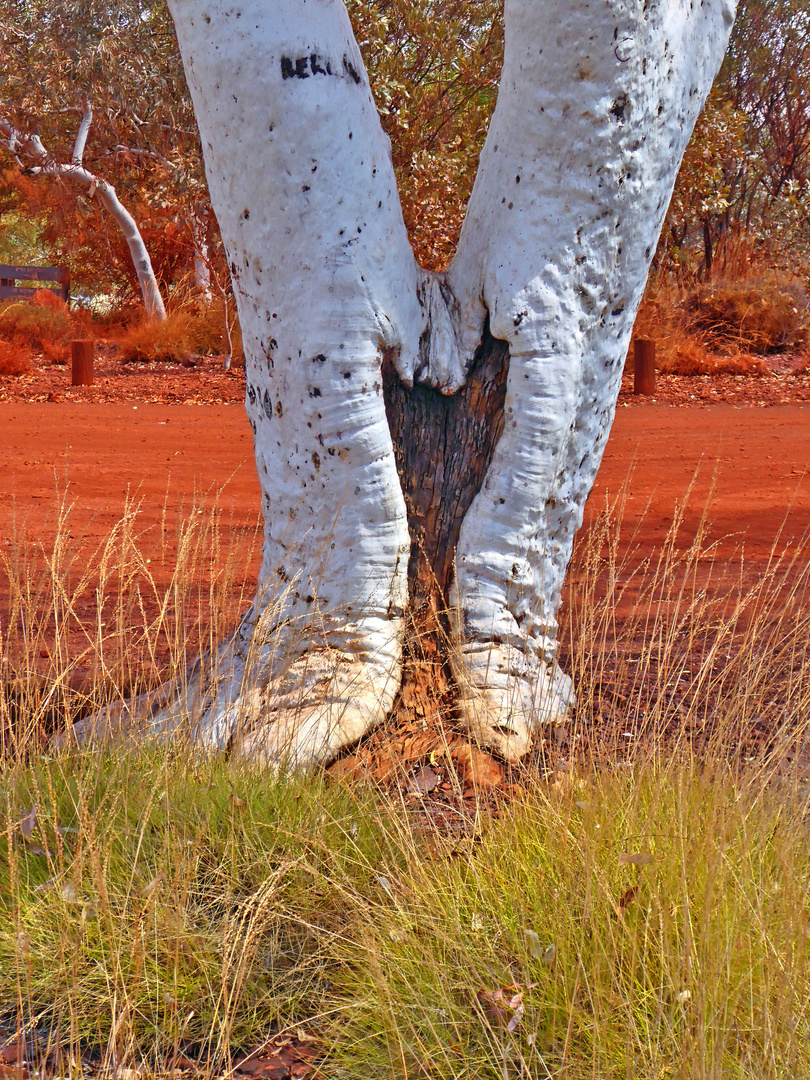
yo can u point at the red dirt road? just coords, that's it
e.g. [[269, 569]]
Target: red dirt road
[[750, 467]]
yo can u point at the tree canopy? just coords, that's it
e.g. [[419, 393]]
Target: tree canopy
[[434, 70]]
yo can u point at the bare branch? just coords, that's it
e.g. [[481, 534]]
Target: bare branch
[[82, 133]]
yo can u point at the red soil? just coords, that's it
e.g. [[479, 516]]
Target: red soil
[[166, 435], [743, 465]]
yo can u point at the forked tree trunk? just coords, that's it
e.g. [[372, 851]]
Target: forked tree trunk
[[469, 489]]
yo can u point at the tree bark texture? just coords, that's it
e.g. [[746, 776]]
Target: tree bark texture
[[378, 497], [443, 446]]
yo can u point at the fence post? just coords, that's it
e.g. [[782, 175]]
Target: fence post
[[82, 368], [644, 374]]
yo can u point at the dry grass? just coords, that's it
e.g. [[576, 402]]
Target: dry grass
[[191, 327], [726, 327], [641, 912], [45, 317], [14, 359], [44, 325]]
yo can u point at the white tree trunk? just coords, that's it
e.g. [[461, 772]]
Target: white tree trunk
[[300, 175], [596, 105], [202, 263], [106, 195]]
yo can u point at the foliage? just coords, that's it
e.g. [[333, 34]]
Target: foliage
[[742, 197], [762, 315], [434, 71], [43, 318], [14, 359], [727, 326], [124, 57], [743, 194], [191, 327]]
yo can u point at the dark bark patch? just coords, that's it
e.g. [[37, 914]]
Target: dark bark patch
[[619, 108], [443, 446]]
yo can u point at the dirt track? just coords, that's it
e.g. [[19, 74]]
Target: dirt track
[[749, 465]]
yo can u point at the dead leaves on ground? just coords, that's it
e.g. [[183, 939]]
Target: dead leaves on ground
[[13, 1061], [287, 1058], [280, 1058], [34, 846]]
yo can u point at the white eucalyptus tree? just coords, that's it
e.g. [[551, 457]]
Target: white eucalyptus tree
[[476, 401], [28, 151]]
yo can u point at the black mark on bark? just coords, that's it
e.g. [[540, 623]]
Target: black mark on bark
[[302, 67], [350, 70], [619, 108]]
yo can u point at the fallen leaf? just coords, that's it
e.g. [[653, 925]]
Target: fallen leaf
[[628, 898], [508, 1012], [150, 886], [423, 781], [480, 769], [534, 946], [348, 768], [69, 894], [272, 1068], [12, 1053], [26, 827], [516, 1017], [384, 883], [13, 1072], [493, 1000], [27, 823]]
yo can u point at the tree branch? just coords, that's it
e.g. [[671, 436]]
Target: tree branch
[[30, 149], [81, 135]]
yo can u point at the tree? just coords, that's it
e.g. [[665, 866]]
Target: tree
[[433, 71], [421, 435], [29, 152], [123, 57], [746, 173]]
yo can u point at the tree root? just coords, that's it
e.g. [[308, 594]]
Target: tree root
[[302, 716], [505, 699]]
